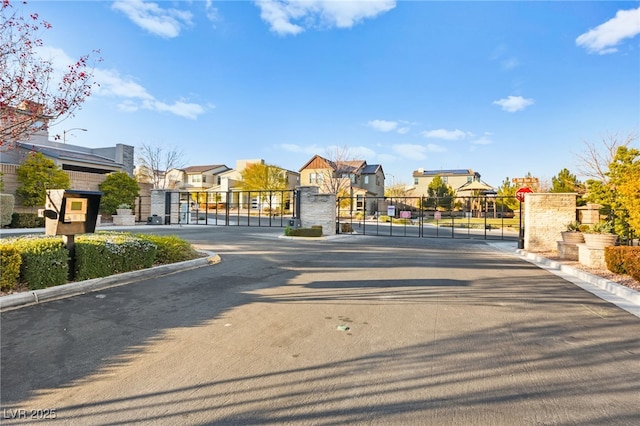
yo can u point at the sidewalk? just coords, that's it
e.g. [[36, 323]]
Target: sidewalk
[[621, 296]]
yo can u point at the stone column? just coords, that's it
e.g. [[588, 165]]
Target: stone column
[[545, 216], [317, 209]]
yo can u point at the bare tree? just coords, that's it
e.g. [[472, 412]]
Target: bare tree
[[154, 162], [594, 161], [341, 170], [30, 99]]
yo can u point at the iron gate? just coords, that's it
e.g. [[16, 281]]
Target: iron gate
[[484, 216], [236, 208]]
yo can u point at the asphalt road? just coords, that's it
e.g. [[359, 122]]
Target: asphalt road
[[354, 330]]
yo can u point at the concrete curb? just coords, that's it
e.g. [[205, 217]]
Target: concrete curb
[[13, 301], [619, 295], [603, 283]]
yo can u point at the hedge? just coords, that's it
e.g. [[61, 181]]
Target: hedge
[[623, 260]]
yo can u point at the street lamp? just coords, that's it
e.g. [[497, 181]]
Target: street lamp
[[64, 133]]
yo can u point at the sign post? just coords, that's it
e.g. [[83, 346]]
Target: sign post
[[520, 193]]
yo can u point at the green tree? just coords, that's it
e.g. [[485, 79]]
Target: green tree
[[118, 188], [565, 181], [439, 194], [37, 174], [507, 195]]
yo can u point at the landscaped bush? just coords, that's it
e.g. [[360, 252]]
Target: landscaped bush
[[171, 249], [304, 232], [7, 202], [384, 218], [26, 220], [623, 260], [103, 254], [45, 261], [10, 261]]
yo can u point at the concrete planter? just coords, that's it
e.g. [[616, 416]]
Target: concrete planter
[[572, 237], [600, 240], [124, 217]]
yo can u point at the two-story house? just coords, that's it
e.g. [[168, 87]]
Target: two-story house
[[455, 178], [355, 179]]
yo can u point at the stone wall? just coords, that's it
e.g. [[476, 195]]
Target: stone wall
[[317, 209], [545, 217]]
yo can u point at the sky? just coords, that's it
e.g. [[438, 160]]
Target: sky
[[504, 88]]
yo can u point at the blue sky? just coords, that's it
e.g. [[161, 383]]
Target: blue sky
[[503, 88]]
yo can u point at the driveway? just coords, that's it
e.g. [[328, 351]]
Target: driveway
[[365, 330]]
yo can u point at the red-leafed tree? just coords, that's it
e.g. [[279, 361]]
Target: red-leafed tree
[[33, 94]]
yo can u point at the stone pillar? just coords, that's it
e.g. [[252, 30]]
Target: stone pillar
[[589, 214], [317, 209], [545, 216], [158, 205]]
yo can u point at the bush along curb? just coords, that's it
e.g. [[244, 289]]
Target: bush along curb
[[80, 287]]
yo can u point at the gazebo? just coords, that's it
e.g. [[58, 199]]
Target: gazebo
[[474, 191]]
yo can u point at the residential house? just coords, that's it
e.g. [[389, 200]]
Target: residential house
[[87, 167], [354, 179], [455, 178], [229, 188]]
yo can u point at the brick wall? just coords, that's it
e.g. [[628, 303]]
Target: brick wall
[[545, 216]]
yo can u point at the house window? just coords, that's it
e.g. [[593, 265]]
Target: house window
[[204, 178], [219, 180], [445, 179], [366, 180], [196, 178], [469, 179], [415, 181]]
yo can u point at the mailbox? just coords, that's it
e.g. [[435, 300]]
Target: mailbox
[[70, 212]]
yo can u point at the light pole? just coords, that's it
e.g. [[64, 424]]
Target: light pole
[[64, 133]]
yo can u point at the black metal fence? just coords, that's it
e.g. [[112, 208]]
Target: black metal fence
[[487, 217], [236, 208]]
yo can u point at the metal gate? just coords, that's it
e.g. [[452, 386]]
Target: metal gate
[[479, 217], [236, 208]]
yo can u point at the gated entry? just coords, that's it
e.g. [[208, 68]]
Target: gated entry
[[236, 208], [484, 216]]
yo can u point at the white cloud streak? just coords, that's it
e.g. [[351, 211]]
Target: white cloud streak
[[514, 103], [290, 17], [449, 135], [149, 16], [136, 97], [383, 125], [603, 38]]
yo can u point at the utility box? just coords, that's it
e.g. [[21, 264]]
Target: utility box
[[70, 212], [294, 223], [154, 220]]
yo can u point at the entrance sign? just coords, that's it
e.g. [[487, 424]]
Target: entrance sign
[[520, 193], [391, 211]]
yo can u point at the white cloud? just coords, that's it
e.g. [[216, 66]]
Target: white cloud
[[294, 16], [450, 135], [603, 38], [149, 16], [383, 125], [309, 149], [482, 140], [414, 152], [137, 97], [514, 103], [404, 130]]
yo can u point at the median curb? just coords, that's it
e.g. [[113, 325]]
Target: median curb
[[33, 297]]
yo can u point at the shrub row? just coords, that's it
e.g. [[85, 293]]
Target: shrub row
[[41, 261], [100, 255], [314, 231], [623, 260], [26, 220]]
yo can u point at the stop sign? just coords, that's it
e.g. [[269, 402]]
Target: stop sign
[[520, 193]]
